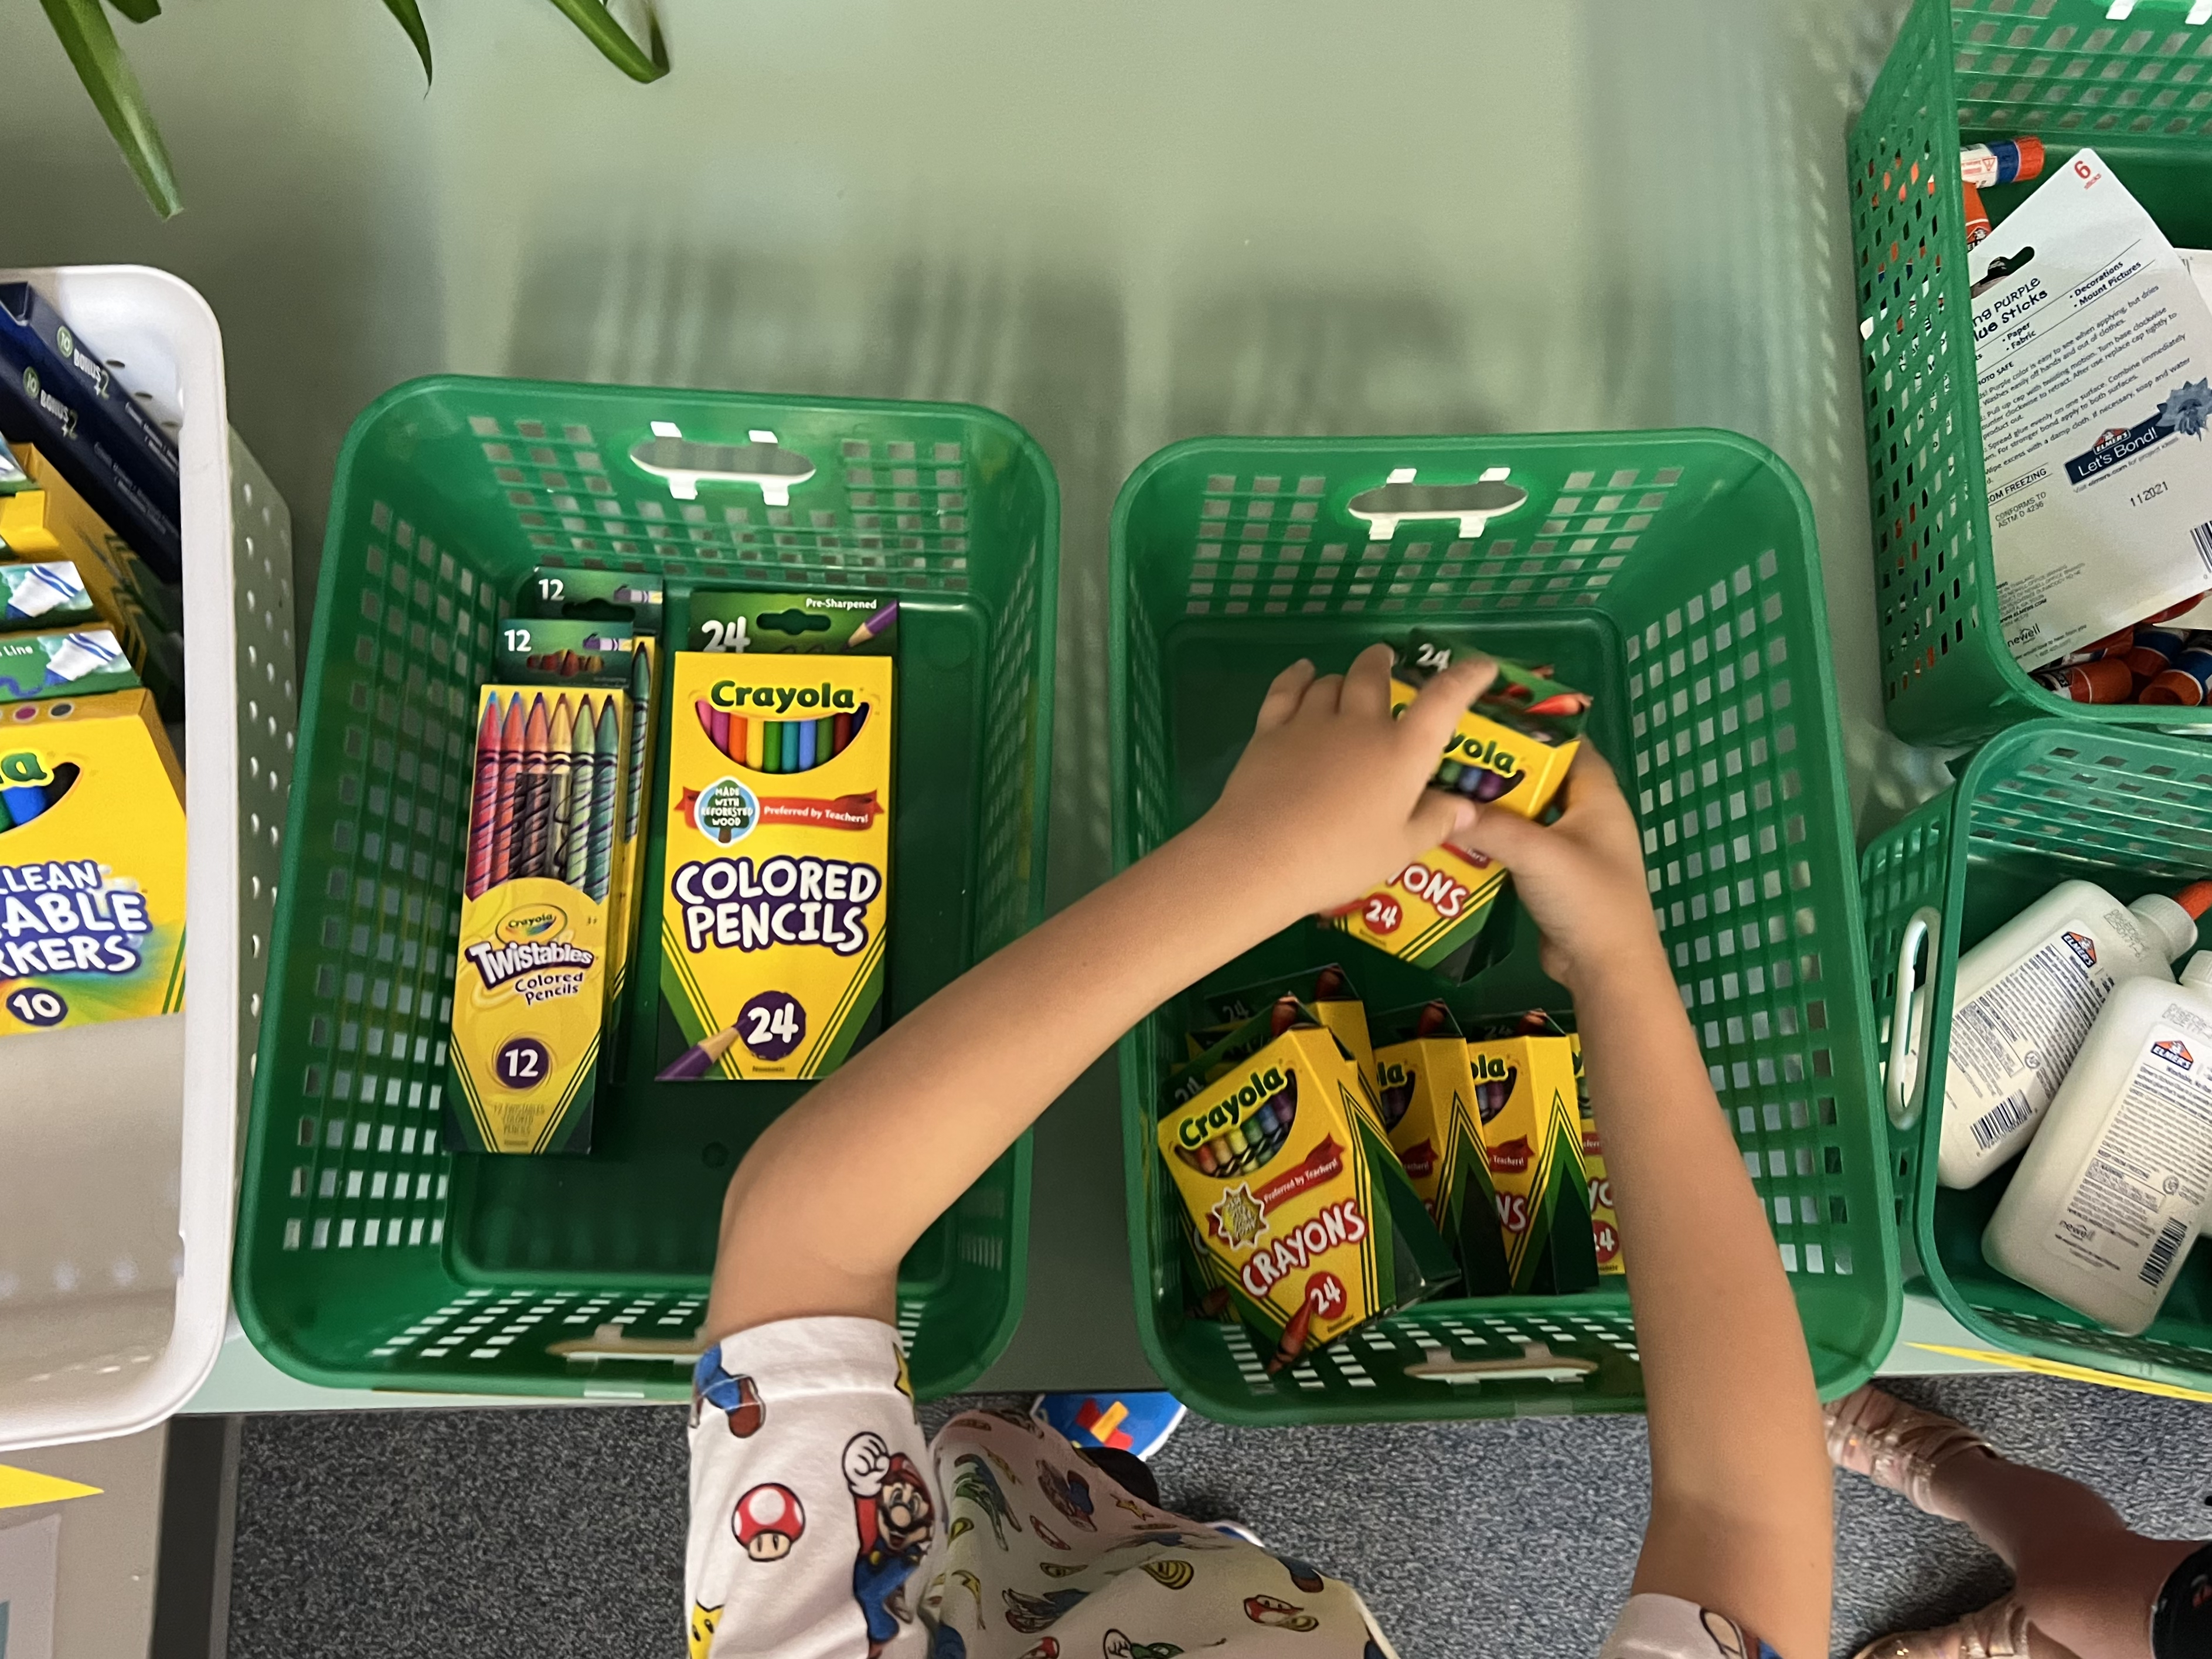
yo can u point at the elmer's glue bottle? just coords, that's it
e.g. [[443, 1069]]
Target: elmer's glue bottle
[[2025, 999], [2104, 1207]]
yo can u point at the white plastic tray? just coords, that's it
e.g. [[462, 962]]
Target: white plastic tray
[[117, 1143]]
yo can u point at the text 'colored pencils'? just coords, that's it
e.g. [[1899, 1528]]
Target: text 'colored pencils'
[[544, 795]]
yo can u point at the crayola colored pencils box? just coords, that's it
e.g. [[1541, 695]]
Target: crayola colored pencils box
[[532, 981], [91, 862], [1511, 750], [776, 871], [1428, 1109], [1295, 1196], [1526, 1102]]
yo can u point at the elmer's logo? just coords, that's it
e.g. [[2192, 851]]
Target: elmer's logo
[[2082, 946], [526, 927], [2175, 1053], [23, 766]]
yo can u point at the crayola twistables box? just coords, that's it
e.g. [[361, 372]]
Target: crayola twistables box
[[776, 875], [1511, 750], [1526, 1099], [1296, 1195], [531, 980], [1428, 1108], [92, 861]]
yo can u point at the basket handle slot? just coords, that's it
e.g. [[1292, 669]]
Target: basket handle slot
[[1904, 1088], [686, 463], [1398, 500], [615, 1342], [1536, 1363]]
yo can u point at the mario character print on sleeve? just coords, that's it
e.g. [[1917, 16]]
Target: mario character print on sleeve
[[768, 1520], [736, 1397], [893, 1513]]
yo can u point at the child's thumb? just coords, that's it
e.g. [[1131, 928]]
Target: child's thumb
[[1506, 837], [1443, 817]]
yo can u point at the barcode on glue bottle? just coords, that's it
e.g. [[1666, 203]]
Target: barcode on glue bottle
[[2000, 1121], [2162, 1252], [2202, 537]]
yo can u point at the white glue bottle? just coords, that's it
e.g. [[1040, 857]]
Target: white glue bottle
[[2023, 1000], [2105, 1205]]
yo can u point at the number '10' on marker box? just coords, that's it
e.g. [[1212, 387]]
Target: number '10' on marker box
[[530, 982]]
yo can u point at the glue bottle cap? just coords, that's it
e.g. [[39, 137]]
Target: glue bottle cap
[[2174, 920]]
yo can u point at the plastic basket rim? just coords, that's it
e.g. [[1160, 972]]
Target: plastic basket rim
[[267, 1341], [1239, 1410], [2027, 701]]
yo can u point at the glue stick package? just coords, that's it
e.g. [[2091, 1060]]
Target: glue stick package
[[1512, 749], [1532, 1132], [776, 887], [92, 860], [532, 981], [1293, 1192], [1428, 1110]]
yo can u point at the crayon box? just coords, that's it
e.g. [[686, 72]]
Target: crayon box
[[1532, 1135], [51, 594], [1293, 1191], [92, 861], [593, 609], [530, 980], [1328, 992], [1605, 1226], [776, 871], [1428, 1108], [1512, 750]]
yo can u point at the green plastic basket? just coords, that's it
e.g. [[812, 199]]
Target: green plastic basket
[[367, 1253], [1675, 575], [2139, 90], [2042, 803]]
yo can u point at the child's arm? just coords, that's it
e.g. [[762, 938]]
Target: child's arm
[[1330, 796], [1741, 1507]]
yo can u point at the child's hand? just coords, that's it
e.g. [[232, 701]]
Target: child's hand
[[1581, 876], [1332, 795]]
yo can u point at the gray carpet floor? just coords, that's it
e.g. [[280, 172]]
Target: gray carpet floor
[[462, 1534]]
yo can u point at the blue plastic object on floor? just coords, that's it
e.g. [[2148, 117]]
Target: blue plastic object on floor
[[1138, 1424]]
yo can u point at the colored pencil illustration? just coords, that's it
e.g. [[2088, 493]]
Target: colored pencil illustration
[[560, 769], [533, 794], [604, 802], [698, 1059], [876, 624], [484, 802], [510, 774], [640, 722], [803, 731], [583, 789], [756, 745]]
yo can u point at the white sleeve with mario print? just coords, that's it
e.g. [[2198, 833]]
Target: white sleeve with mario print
[[810, 1512]]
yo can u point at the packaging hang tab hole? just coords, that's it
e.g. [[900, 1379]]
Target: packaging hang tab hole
[[2092, 349]]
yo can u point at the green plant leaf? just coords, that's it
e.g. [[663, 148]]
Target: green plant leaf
[[411, 19], [646, 62], [138, 11], [89, 39]]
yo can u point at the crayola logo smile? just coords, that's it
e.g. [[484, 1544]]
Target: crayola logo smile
[[1258, 1086]]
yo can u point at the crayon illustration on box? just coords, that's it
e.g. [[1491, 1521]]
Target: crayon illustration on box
[[92, 838], [776, 874]]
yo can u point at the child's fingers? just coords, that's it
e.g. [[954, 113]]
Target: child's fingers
[[1429, 722], [1283, 695], [1367, 687], [1320, 698], [1509, 838], [1442, 817]]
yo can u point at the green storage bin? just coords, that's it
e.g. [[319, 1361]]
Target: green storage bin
[[368, 1255], [1675, 575], [2041, 804], [2139, 91]]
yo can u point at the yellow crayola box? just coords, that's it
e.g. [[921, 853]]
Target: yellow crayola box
[[1295, 1196], [91, 862], [776, 877], [530, 982], [1531, 1125], [1605, 1226], [1428, 1109], [1327, 991], [1511, 750]]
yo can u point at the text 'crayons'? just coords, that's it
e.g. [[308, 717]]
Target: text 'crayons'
[[773, 746], [545, 792]]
